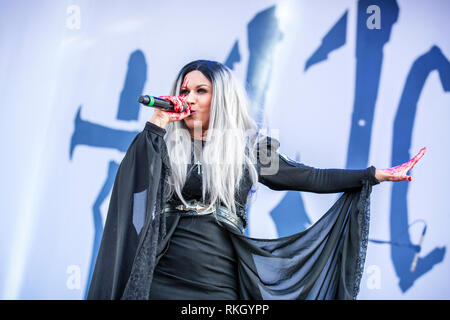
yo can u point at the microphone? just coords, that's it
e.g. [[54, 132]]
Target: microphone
[[155, 102], [419, 246]]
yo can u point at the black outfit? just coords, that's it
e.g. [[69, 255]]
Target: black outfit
[[143, 255], [200, 263], [178, 274]]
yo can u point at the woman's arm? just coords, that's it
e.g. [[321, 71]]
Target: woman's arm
[[278, 172], [293, 175]]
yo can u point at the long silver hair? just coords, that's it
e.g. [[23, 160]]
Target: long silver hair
[[230, 144]]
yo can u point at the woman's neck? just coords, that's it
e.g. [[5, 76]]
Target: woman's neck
[[198, 137]]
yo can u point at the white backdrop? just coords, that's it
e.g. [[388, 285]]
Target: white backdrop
[[69, 67]]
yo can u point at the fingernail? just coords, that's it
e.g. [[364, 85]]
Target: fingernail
[[409, 178]]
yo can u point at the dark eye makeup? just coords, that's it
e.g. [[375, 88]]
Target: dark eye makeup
[[200, 90]]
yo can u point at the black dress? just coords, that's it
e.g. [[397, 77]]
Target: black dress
[[143, 255], [201, 262]]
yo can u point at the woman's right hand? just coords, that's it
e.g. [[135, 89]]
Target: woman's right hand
[[162, 118]]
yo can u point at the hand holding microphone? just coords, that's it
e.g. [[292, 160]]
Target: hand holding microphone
[[167, 108], [166, 103]]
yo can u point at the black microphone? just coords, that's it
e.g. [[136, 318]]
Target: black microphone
[[166, 105]]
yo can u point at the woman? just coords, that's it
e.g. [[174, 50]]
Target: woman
[[175, 223]]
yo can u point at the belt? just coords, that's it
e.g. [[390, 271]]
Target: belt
[[197, 208]]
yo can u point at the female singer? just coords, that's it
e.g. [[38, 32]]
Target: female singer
[[175, 224]]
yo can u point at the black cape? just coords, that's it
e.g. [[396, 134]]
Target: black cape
[[325, 261]]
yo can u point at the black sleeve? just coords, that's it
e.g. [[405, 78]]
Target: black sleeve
[[154, 129], [292, 175], [124, 253]]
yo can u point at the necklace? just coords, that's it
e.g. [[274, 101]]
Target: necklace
[[198, 163], [199, 167]]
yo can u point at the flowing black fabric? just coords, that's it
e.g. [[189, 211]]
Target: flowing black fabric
[[134, 225], [325, 261]]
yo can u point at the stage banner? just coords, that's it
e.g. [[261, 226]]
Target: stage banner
[[341, 84]]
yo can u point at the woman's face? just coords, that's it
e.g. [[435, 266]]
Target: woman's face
[[198, 90]]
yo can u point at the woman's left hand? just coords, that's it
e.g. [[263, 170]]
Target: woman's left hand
[[398, 173]]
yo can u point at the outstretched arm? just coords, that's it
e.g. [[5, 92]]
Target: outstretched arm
[[287, 174], [278, 172], [296, 176]]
